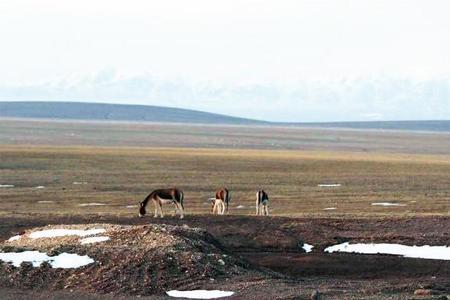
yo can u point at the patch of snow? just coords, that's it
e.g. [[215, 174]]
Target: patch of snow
[[46, 201], [307, 247], [14, 238], [79, 182], [199, 294], [40, 187], [69, 260], [329, 185], [427, 252], [240, 206], [63, 260], [6, 186], [16, 258], [329, 208], [131, 206], [91, 204], [387, 204], [49, 233], [94, 239]]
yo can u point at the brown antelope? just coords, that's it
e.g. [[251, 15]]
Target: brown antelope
[[262, 203], [164, 196], [221, 202]]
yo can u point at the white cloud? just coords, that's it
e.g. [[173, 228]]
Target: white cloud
[[287, 59], [243, 41]]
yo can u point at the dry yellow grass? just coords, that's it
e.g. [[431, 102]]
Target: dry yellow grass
[[121, 176]]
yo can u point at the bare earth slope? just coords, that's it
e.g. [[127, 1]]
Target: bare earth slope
[[139, 260], [337, 276]]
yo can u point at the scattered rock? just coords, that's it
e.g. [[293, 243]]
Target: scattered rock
[[137, 260]]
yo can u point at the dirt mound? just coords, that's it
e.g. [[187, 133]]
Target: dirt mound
[[139, 260]]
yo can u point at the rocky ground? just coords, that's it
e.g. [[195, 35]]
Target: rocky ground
[[136, 260], [254, 257]]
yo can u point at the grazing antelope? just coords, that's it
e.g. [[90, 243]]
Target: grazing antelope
[[164, 196], [262, 203], [221, 201]]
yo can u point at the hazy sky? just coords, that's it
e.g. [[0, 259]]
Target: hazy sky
[[279, 60]]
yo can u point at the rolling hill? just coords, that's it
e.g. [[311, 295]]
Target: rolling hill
[[144, 113], [114, 112]]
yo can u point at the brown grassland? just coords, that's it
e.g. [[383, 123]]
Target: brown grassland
[[121, 176]]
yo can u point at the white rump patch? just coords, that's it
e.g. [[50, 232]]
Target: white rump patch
[[91, 204], [46, 201], [387, 204], [14, 238], [329, 185], [40, 187], [64, 232], [427, 252], [94, 239], [330, 208], [307, 247], [199, 294], [6, 186], [63, 260]]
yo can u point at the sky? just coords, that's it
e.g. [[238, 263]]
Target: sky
[[281, 60]]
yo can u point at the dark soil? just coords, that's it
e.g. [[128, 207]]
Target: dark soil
[[137, 260], [258, 246]]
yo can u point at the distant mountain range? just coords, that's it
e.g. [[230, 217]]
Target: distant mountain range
[[144, 113]]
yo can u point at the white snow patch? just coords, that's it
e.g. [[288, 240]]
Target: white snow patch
[[79, 182], [6, 186], [63, 260], [240, 206], [40, 187], [329, 208], [307, 247], [91, 204], [94, 239], [49, 233], [131, 206], [14, 238], [427, 252], [329, 185], [387, 204], [69, 260], [46, 201], [199, 294]]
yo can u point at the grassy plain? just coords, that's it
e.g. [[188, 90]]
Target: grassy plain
[[121, 176]]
